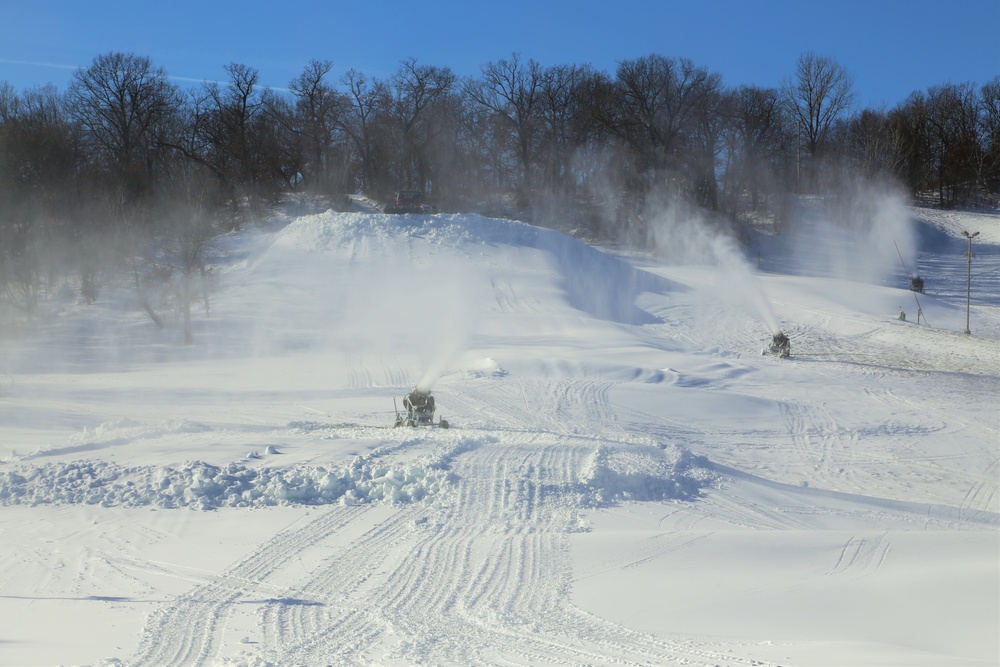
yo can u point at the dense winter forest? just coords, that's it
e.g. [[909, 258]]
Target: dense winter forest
[[126, 174]]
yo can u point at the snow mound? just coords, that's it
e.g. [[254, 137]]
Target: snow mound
[[200, 485], [610, 474], [643, 472], [954, 222], [487, 367], [594, 282], [331, 230]]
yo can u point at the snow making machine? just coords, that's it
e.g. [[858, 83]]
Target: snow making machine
[[780, 345], [419, 407]]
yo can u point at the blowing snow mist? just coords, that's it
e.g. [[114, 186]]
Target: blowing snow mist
[[682, 233]]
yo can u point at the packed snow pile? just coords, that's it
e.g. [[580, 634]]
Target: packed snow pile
[[609, 475], [325, 231], [643, 472], [200, 485], [606, 289]]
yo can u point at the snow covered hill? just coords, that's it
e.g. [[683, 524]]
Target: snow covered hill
[[628, 480]]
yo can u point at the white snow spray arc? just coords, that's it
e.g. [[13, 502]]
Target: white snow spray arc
[[742, 282], [681, 233]]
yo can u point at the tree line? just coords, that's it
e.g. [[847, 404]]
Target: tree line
[[124, 171]]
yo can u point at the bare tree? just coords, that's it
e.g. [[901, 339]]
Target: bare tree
[[8, 101], [489, 156], [369, 101], [319, 111], [876, 150], [242, 141], [989, 133], [821, 91], [656, 99], [565, 125], [190, 226], [511, 90], [709, 122], [446, 163], [124, 108], [755, 139], [123, 104], [38, 151], [911, 128], [953, 113], [416, 89]]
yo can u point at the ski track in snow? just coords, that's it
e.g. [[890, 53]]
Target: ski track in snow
[[186, 631], [482, 580], [861, 557]]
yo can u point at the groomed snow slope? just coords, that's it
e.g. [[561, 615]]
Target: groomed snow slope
[[627, 480]]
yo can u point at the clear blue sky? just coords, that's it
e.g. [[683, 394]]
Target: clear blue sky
[[893, 47]]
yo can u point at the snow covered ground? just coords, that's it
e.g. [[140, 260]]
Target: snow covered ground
[[627, 479]]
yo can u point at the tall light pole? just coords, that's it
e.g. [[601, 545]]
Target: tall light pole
[[968, 288]]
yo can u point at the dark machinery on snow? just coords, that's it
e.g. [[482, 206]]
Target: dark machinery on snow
[[780, 345], [419, 407], [406, 201], [916, 286]]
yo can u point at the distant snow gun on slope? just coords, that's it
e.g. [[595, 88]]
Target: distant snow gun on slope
[[419, 406], [916, 286]]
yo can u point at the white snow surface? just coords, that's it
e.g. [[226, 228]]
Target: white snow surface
[[627, 479]]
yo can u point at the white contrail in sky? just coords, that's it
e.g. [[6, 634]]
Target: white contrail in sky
[[33, 63], [191, 79]]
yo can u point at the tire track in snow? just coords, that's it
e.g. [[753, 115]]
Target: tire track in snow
[[819, 441], [481, 579], [862, 556], [524, 591], [343, 626], [650, 549], [490, 584], [506, 296], [982, 495], [566, 407], [423, 581], [185, 631]]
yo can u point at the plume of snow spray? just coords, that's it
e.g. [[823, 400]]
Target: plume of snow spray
[[447, 326], [452, 339], [860, 234], [742, 281], [395, 302], [682, 232]]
